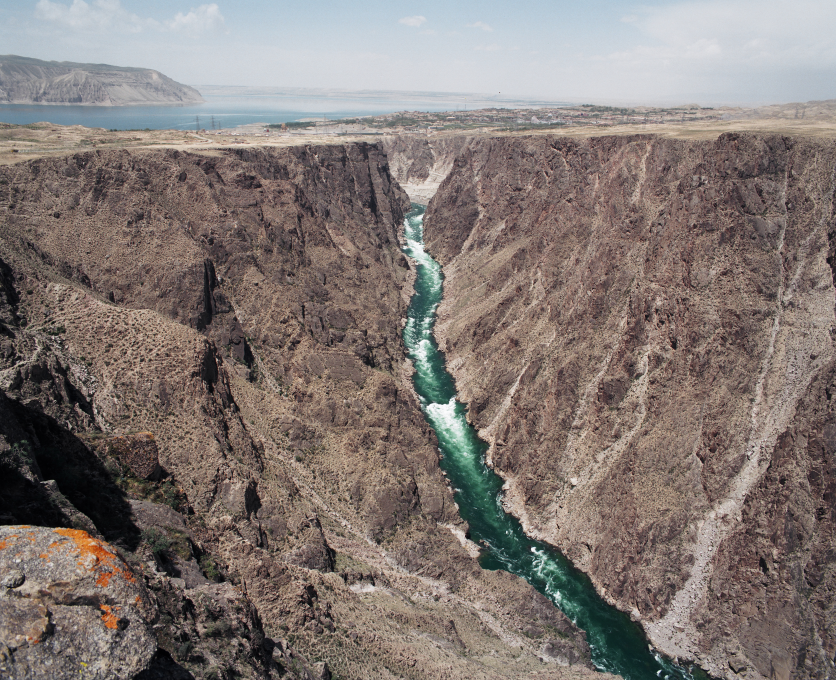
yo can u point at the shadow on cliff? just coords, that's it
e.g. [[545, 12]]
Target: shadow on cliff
[[50, 477]]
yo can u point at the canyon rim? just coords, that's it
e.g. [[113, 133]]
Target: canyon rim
[[203, 377]]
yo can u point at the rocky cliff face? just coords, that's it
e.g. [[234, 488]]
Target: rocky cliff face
[[32, 81], [420, 163], [201, 367], [643, 330]]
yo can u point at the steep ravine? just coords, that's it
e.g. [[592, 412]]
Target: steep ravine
[[201, 365], [642, 330], [617, 644], [420, 163]]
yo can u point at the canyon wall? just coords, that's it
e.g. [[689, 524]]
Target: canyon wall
[[420, 163], [202, 382], [643, 332]]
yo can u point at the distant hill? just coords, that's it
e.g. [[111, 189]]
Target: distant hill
[[32, 81]]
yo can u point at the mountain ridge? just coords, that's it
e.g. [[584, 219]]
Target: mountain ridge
[[25, 80]]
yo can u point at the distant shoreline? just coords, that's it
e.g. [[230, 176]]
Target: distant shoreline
[[105, 105]]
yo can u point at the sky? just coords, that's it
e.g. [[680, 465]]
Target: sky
[[709, 52]]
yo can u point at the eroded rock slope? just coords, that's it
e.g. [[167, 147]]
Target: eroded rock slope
[[202, 366], [420, 163], [643, 330]]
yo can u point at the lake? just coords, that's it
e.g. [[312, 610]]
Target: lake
[[228, 107]]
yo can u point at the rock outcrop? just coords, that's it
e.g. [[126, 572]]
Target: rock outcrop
[[234, 319], [643, 330], [33, 81], [70, 606]]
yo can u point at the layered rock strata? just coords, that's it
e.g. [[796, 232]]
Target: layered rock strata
[[202, 366], [643, 330]]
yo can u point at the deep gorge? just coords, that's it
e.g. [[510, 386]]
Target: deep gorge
[[642, 330], [616, 643], [202, 365]]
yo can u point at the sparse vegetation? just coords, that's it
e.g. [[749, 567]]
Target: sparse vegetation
[[157, 541], [292, 125], [210, 568], [219, 629]]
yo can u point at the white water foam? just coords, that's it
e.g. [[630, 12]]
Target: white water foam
[[449, 425]]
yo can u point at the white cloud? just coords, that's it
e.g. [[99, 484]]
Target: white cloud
[[98, 14], [415, 21], [204, 18], [111, 15], [493, 47], [744, 30], [480, 24]]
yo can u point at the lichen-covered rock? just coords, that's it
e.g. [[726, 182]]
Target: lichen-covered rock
[[70, 607]]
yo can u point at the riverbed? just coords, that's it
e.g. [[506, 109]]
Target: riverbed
[[618, 644]]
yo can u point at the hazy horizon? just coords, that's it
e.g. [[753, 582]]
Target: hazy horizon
[[477, 99], [708, 52]]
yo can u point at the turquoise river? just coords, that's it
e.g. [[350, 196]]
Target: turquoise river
[[618, 644]]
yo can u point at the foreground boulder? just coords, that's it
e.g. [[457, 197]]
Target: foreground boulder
[[70, 607]]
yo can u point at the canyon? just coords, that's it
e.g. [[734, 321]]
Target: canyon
[[206, 404], [203, 385]]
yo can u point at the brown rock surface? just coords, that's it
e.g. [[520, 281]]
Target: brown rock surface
[[139, 452], [70, 606], [245, 308], [643, 330]]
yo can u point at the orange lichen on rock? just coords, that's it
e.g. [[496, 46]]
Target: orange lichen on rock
[[110, 619], [104, 560]]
